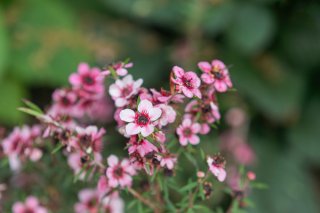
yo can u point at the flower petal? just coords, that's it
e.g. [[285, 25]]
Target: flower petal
[[147, 130], [127, 115], [132, 129], [113, 160], [145, 105], [155, 113], [204, 66]]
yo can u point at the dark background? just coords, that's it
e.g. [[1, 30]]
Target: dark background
[[272, 46]]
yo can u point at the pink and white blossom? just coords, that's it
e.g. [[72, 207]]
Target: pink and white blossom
[[89, 201], [186, 82], [216, 166], [187, 132], [167, 161], [119, 173], [168, 115], [31, 205], [217, 74], [141, 121], [120, 68], [88, 81], [142, 146], [123, 89]]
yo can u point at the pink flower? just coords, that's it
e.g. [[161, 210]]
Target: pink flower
[[120, 68], [89, 201], [216, 166], [187, 132], [251, 175], [123, 89], [21, 144], [90, 138], [217, 74], [167, 161], [64, 103], [88, 80], [119, 172], [186, 82], [31, 205], [142, 146], [142, 120], [168, 115], [165, 96], [112, 204]]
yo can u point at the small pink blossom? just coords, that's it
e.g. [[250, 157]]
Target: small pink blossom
[[90, 138], [65, 103], [142, 146], [124, 89], [89, 201], [251, 175], [88, 81], [168, 115], [141, 121], [164, 96], [186, 82], [112, 204], [216, 166], [217, 74], [187, 132], [119, 172], [167, 161], [31, 205], [120, 68]]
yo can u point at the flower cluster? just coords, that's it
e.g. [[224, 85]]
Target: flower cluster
[[151, 120]]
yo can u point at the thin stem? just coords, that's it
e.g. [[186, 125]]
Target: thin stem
[[144, 200]]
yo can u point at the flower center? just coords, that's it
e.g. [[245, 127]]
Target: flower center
[[187, 132], [187, 82], [28, 211], [126, 91], [142, 119], [118, 172], [88, 80], [216, 72], [65, 101]]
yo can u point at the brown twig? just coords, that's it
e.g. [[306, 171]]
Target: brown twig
[[144, 200]]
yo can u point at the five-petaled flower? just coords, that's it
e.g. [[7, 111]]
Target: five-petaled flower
[[142, 120], [186, 82], [119, 172], [216, 166], [31, 205], [188, 131], [217, 74]]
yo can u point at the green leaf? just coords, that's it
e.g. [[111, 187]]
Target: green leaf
[[188, 187], [202, 208], [32, 106], [30, 112], [57, 148]]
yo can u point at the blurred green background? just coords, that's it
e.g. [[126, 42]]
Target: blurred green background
[[273, 47]]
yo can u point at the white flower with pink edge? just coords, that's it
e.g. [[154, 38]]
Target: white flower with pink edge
[[119, 172], [141, 121], [216, 166], [31, 205], [123, 89], [188, 131]]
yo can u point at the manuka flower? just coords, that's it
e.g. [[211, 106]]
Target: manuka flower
[[88, 81], [119, 172], [120, 68], [187, 132], [186, 82], [142, 120], [124, 89], [217, 74], [142, 146], [216, 166], [31, 205]]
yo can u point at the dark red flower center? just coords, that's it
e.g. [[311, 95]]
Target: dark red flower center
[[126, 91], [28, 211], [187, 82], [65, 101], [142, 119], [187, 132], [87, 79], [118, 172]]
